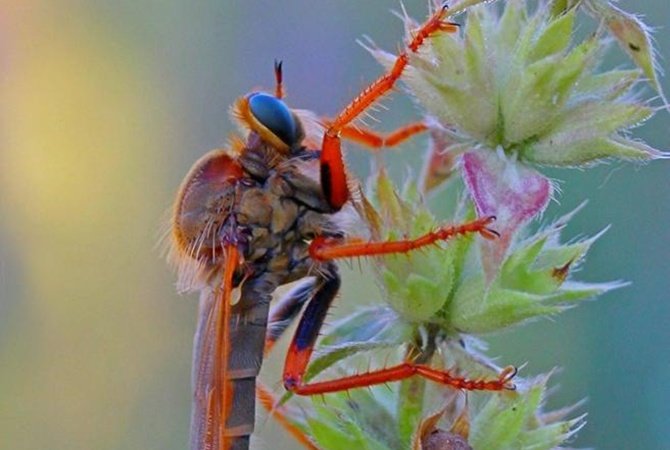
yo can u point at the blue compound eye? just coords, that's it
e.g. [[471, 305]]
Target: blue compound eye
[[273, 113]]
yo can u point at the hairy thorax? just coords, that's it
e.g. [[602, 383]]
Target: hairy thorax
[[269, 206]]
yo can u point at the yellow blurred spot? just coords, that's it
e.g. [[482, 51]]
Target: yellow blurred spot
[[79, 200]]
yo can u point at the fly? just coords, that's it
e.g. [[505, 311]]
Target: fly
[[268, 211]]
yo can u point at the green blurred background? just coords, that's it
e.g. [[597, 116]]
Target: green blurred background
[[103, 108]]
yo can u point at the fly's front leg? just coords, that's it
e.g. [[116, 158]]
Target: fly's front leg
[[376, 141], [333, 174]]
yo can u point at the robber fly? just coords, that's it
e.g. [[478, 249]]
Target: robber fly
[[267, 212]]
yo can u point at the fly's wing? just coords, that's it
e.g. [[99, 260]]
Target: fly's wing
[[203, 202], [212, 389], [312, 126]]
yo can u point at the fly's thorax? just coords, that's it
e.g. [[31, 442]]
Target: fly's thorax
[[282, 214], [289, 262], [255, 207], [258, 158], [273, 222], [288, 190], [270, 205]]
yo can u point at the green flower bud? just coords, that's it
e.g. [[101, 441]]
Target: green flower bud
[[513, 421], [520, 83], [533, 281]]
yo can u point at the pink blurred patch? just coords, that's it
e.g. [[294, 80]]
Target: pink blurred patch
[[509, 190], [440, 162]]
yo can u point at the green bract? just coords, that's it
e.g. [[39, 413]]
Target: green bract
[[511, 91], [438, 298], [521, 82], [447, 285], [510, 422], [427, 276]]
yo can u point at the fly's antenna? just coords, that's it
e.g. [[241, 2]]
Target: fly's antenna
[[279, 86]]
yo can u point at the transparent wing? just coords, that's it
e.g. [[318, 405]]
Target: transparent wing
[[212, 390]]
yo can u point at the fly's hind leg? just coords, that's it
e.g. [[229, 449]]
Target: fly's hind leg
[[302, 347]]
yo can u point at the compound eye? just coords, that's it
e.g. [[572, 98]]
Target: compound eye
[[274, 115]]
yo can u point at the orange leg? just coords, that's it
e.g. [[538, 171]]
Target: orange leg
[[322, 249], [401, 372], [312, 319], [375, 141], [333, 176], [269, 402]]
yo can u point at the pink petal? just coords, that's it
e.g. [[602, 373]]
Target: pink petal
[[509, 190], [439, 162]]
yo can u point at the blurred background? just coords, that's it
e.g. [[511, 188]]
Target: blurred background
[[103, 108]]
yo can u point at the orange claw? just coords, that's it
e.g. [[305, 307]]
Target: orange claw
[[433, 25], [506, 376]]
